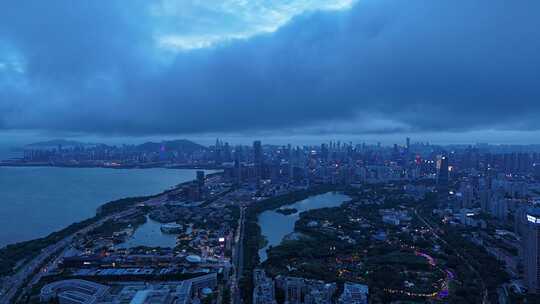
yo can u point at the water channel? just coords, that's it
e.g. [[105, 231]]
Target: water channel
[[275, 226]]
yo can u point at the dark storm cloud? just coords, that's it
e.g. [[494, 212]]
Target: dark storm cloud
[[414, 65]]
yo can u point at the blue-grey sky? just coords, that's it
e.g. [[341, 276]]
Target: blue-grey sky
[[368, 68]]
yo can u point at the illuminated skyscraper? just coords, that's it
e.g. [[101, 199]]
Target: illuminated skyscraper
[[531, 252]]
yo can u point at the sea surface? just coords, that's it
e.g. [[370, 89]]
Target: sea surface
[[275, 226], [35, 201]]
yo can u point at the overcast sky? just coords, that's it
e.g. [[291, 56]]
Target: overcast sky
[[463, 70]]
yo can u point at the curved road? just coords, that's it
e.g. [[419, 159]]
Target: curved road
[[459, 255]]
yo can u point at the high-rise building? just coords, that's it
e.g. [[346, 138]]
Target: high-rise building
[[257, 158], [324, 152], [218, 152], [237, 169], [500, 208], [408, 145], [200, 178], [485, 199], [442, 172], [520, 221], [536, 170], [467, 195], [531, 251], [227, 152]]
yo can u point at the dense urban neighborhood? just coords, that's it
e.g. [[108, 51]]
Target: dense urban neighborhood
[[409, 223]]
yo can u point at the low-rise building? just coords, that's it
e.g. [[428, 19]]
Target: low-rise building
[[354, 294]]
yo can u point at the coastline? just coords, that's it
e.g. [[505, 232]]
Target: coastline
[[37, 201], [126, 166], [15, 256]]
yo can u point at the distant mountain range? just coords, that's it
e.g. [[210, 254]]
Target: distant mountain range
[[170, 145]]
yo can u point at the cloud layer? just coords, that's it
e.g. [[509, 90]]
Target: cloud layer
[[375, 66]]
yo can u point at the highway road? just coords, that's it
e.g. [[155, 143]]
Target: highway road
[[238, 259], [30, 271]]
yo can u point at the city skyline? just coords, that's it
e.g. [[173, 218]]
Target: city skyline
[[329, 223], [17, 139]]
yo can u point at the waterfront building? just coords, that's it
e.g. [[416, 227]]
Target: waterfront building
[[73, 292], [171, 228], [200, 178]]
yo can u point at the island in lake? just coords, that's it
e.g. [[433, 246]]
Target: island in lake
[[287, 211]]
